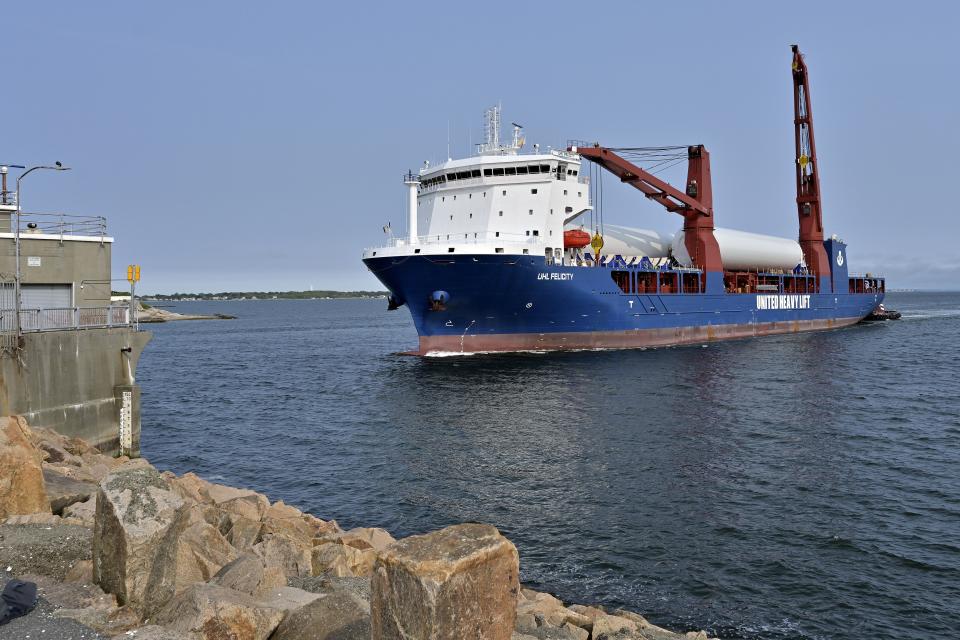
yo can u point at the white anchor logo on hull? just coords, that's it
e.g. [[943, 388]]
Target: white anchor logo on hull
[[839, 258]]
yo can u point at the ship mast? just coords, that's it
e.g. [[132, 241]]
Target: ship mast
[[808, 173]]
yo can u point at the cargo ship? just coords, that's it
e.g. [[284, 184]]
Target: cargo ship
[[505, 251]]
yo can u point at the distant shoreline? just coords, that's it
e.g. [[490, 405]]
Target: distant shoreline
[[265, 295]]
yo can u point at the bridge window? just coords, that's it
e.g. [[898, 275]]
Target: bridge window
[[498, 171], [521, 171], [475, 173], [488, 172], [534, 168], [511, 171], [544, 168]]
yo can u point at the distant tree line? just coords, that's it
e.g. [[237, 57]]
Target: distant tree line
[[267, 295]]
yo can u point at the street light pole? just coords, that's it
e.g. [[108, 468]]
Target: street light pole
[[16, 240]]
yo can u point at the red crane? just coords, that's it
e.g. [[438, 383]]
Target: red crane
[[808, 173], [695, 204]]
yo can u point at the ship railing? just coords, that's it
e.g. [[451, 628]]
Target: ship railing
[[581, 144], [471, 238], [67, 318], [498, 180], [57, 224]]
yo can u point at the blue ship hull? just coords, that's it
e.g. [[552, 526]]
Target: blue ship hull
[[510, 302]]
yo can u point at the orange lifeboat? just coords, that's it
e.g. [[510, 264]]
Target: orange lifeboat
[[575, 239]]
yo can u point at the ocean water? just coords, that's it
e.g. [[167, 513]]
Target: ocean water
[[802, 486]]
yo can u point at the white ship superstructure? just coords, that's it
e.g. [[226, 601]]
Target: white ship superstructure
[[500, 200]]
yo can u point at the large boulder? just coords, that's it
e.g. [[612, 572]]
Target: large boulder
[[342, 561], [339, 616], [536, 609], [292, 556], [83, 512], [192, 550], [459, 582], [218, 613], [285, 520], [360, 538], [22, 490], [241, 513], [240, 531], [134, 510], [250, 574], [63, 490]]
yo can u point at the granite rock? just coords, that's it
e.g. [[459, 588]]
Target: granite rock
[[459, 582], [22, 489], [134, 510]]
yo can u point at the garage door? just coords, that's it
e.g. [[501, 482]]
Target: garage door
[[46, 296]]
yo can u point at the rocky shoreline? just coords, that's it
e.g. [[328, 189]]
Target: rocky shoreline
[[122, 550], [154, 314]]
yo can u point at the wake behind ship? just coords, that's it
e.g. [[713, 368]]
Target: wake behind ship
[[504, 261]]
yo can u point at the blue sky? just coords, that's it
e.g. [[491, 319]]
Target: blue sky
[[237, 145]]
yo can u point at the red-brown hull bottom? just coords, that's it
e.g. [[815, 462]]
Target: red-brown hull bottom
[[635, 339]]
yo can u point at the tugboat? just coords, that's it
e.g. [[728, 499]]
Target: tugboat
[[881, 313], [496, 256]]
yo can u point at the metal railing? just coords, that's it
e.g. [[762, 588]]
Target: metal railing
[[60, 319], [57, 224], [458, 238]]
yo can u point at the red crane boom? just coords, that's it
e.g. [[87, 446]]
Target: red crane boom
[[808, 173], [695, 204]]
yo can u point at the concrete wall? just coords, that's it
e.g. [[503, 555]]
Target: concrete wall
[[73, 382], [78, 262]]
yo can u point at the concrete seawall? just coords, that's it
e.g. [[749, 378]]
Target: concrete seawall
[[80, 382]]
